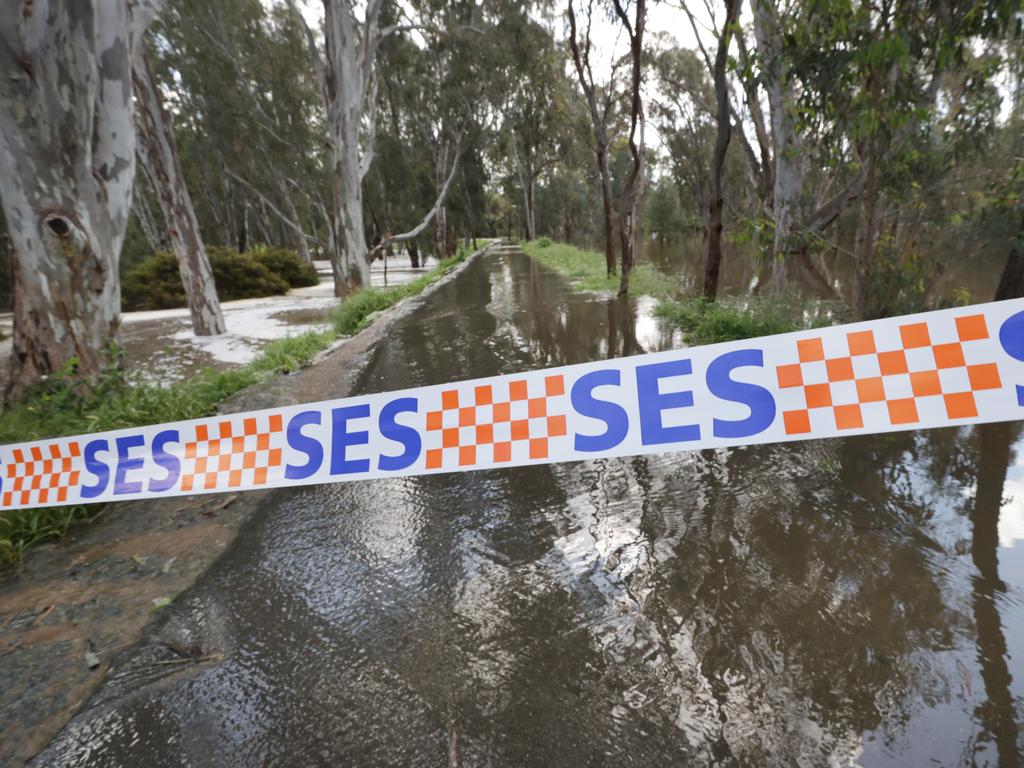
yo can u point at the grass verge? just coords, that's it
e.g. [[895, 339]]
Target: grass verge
[[585, 270], [701, 321], [120, 400]]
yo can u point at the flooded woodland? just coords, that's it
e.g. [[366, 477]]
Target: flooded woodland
[[224, 210]]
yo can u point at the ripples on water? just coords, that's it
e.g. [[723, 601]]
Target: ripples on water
[[832, 602]]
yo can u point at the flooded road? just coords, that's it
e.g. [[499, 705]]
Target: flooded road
[[853, 601]]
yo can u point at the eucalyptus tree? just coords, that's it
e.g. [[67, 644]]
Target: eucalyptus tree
[[890, 82], [533, 82], [159, 156], [633, 186], [723, 132], [67, 157], [601, 100]]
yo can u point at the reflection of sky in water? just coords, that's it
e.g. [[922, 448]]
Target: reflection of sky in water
[[1011, 516]]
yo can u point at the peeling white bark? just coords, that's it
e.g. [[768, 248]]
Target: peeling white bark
[[159, 156], [67, 157], [787, 150]]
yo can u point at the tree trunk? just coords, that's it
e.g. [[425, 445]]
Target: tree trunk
[[441, 218], [159, 155], [629, 202], [156, 234], [606, 204], [67, 160], [713, 254], [414, 254], [787, 152], [242, 235], [865, 240], [531, 217]]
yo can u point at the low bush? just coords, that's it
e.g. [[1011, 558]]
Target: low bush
[[287, 264], [156, 282]]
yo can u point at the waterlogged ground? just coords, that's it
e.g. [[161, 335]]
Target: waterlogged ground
[[854, 601], [160, 344]]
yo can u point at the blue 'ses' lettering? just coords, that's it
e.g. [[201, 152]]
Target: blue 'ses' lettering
[[408, 437], [652, 402], [613, 415], [758, 399], [304, 444]]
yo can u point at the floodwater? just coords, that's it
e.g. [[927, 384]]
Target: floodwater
[[960, 276], [851, 601], [160, 346]]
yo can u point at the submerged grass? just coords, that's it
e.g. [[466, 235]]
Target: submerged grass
[[120, 400], [701, 321], [585, 270]]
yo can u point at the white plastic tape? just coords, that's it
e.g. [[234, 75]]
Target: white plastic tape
[[950, 367]]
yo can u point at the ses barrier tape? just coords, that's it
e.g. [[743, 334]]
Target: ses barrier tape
[[950, 367]]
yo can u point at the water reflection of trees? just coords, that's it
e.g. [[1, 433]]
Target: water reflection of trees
[[805, 589]]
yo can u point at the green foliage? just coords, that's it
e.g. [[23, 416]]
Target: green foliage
[[287, 264], [117, 400], [585, 270], [544, 242], [358, 309], [900, 281], [711, 322], [156, 282], [241, 276]]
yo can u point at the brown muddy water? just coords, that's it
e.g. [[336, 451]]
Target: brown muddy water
[[851, 601], [969, 277]]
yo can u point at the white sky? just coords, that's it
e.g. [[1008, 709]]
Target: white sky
[[608, 36]]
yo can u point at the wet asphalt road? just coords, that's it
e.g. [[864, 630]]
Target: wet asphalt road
[[814, 603]]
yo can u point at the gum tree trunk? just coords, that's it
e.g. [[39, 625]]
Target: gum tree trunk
[[159, 155], [713, 256], [441, 219], [787, 154], [67, 160], [599, 123], [629, 202]]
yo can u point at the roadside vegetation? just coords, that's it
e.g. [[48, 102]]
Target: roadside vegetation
[[119, 399], [702, 321], [586, 271], [155, 283], [710, 322]]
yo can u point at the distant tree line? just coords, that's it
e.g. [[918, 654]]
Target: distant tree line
[[885, 130]]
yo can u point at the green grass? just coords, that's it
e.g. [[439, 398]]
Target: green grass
[[706, 322], [586, 271], [711, 322], [702, 322], [120, 400]]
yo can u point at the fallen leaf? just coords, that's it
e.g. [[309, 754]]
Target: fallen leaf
[[167, 565], [139, 560], [161, 602], [92, 659]]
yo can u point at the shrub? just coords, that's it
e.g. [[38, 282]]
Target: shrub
[[544, 242], [240, 276], [156, 282], [287, 264]]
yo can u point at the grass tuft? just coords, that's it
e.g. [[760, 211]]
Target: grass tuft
[[711, 322]]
